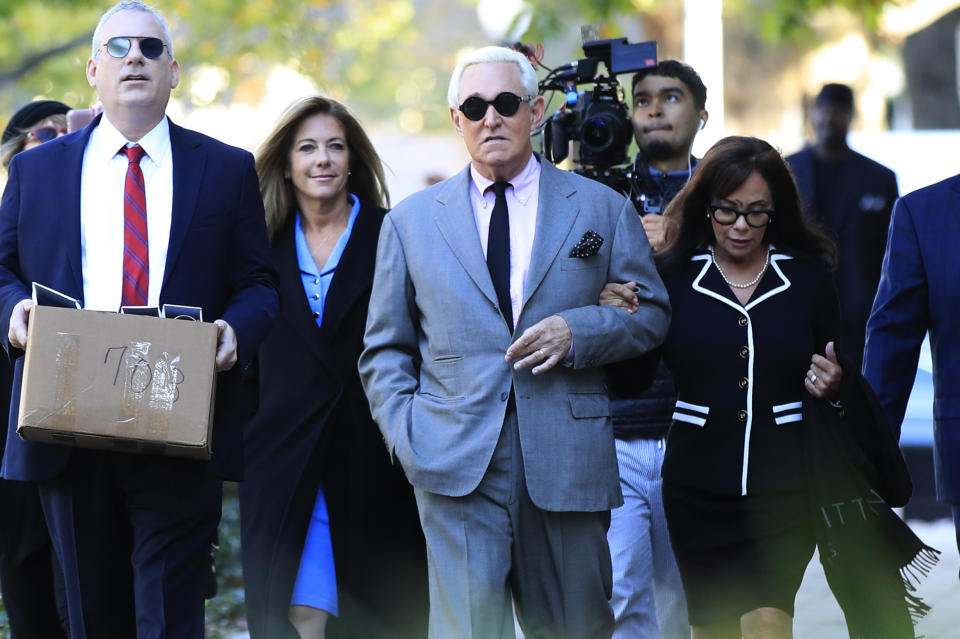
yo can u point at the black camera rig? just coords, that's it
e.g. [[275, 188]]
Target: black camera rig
[[599, 118]]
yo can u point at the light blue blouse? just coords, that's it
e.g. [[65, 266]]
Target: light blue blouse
[[316, 282]]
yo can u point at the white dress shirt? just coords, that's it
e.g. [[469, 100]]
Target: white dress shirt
[[101, 211], [523, 199]]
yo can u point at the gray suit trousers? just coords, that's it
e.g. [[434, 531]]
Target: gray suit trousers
[[494, 545]]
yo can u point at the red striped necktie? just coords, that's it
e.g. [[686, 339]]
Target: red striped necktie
[[136, 256]]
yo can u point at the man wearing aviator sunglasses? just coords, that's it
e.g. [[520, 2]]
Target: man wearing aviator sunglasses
[[145, 213], [119, 46], [484, 331]]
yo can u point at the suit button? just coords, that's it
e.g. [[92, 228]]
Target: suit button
[[504, 395], [741, 415], [316, 297], [316, 315], [744, 382], [744, 352], [743, 321]]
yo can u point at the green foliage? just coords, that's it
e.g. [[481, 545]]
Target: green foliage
[[777, 21], [371, 54], [225, 613], [790, 20], [4, 624]]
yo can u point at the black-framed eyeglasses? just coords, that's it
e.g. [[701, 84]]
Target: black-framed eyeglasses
[[46, 133], [505, 103], [150, 47], [727, 215]]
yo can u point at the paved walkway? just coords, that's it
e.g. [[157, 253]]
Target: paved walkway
[[818, 616]]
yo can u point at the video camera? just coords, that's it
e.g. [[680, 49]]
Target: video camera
[[599, 119]]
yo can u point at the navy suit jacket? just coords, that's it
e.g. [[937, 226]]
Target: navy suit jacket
[[919, 292], [218, 258]]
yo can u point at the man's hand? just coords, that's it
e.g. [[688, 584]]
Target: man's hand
[[656, 227], [19, 322], [823, 378], [543, 345], [620, 295], [226, 346]]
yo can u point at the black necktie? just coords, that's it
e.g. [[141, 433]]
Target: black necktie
[[498, 251]]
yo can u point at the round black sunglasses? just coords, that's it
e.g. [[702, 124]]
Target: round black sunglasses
[[506, 105]]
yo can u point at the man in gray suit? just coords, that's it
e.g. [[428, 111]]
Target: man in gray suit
[[483, 364]]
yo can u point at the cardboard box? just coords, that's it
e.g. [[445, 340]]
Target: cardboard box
[[119, 382]]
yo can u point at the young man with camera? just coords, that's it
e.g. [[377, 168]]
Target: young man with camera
[[669, 102]]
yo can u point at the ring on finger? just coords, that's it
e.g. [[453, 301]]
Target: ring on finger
[[542, 354], [813, 378]]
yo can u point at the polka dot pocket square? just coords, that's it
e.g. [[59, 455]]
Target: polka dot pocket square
[[588, 245]]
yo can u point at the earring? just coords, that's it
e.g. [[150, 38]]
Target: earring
[[349, 173]]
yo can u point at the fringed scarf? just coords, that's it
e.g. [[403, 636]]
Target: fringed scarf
[[872, 560]]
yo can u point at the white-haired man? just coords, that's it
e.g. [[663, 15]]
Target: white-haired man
[[483, 364], [144, 213]]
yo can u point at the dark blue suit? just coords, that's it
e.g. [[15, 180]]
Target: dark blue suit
[[218, 258], [919, 292]]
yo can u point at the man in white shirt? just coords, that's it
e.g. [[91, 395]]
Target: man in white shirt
[[134, 210]]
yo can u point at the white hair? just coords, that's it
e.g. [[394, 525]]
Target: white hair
[[131, 6], [492, 54]]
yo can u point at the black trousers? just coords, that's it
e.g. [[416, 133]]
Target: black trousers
[[30, 577], [132, 533]]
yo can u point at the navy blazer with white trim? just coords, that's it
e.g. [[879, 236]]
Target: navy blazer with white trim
[[739, 371]]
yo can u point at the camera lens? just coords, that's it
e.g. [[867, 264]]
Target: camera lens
[[597, 134]]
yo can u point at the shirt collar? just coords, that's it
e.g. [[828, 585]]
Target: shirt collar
[[524, 183], [106, 140], [305, 260]]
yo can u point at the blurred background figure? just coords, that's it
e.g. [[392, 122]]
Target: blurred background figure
[[32, 125], [669, 108], [30, 577], [329, 525], [850, 196]]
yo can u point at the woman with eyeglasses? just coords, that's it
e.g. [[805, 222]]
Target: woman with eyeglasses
[[751, 347], [329, 525], [32, 584]]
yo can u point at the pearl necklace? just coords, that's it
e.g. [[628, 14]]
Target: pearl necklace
[[766, 263]]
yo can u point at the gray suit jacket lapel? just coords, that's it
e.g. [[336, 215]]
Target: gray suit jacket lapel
[[555, 217], [453, 215]]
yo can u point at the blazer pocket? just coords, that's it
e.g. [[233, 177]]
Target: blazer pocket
[[587, 405], [691, 413], [787, 413], [431, 397], [579, 263]]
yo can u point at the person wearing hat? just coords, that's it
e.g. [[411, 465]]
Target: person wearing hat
[[851, 196], [30, 578], [32, 125]]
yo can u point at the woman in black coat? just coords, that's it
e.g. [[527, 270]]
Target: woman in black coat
[[755, 315], [313, 440]]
